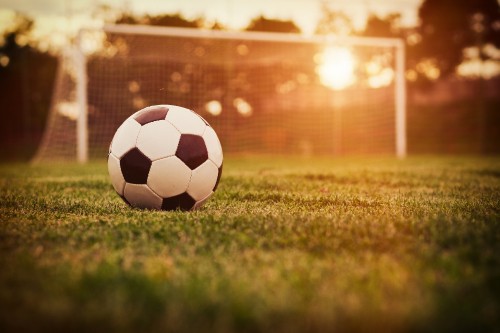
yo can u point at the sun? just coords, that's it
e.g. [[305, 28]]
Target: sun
[[336, 67]]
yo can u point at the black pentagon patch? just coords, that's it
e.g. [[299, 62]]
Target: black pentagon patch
[[219, 174], [192, 150], [182, 201], [135, 167], [151, 115]]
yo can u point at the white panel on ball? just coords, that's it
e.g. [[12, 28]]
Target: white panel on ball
[[169, 176], [158, 139], [185, 120], [203, 180], [202, 201], [125, 137], [142, 196], [115, 173], [214, 147]]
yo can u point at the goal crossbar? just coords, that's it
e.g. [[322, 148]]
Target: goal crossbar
[[250, 35]]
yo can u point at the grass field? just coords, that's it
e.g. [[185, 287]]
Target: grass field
[[285, 245]]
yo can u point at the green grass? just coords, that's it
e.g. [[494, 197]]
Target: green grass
[[285, 245]]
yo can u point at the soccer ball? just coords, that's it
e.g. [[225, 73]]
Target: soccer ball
[[165, 157]]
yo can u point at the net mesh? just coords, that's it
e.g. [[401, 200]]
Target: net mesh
[[262, 95]]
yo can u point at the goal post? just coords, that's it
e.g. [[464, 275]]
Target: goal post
[[400, 100], [82, 141], [277, 93]]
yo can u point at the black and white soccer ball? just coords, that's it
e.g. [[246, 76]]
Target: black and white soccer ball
[[165, 157]]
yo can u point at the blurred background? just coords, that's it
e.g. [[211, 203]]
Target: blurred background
[[452, 57]]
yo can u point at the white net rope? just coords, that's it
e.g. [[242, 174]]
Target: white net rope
[[261, 95]]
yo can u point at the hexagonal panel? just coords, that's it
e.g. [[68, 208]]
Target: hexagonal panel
[[203, 180], [158, 139], [192, 150], [185, 120], [115, 173], [141, 196], [182, 201], [151, 114], [200, 203], [135, 167], [169, 177], [125, 137], [214, 147]]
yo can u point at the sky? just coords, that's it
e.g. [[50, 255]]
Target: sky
[[61, 16]]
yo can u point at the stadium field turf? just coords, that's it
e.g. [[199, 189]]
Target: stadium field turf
[[285, 245]]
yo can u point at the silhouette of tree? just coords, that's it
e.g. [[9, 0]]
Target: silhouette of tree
[[174, 20], [26, 80], [217, 26], [334, 22], [388, 26], [447, 27], [262, 23]]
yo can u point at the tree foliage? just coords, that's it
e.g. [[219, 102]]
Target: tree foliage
[[447, 27], [26, 82], [334, 22], [164, 20], [262, 23], [388, 26]]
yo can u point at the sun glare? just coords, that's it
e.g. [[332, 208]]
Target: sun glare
[[336, 67]]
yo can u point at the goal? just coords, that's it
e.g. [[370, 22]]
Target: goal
[[264, 93]]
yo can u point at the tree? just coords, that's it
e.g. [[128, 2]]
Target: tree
[[388, 26], [174, 20], [447, 27], [334, 22], [26, 79], [262, 23]]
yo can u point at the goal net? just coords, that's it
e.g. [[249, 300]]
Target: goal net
[[263, 93]]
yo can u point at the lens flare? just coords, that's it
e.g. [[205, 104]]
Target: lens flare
[[336, 68]]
